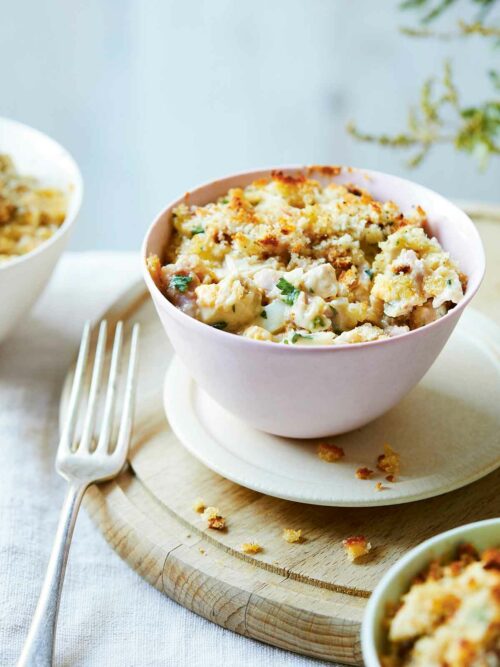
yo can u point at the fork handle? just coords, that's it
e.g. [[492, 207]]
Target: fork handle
[[39, 646]]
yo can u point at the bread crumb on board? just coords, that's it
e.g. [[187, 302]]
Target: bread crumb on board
[[292, 536], [356, 546], [330, 453], [214, 518], [199, 505], [251, 548]]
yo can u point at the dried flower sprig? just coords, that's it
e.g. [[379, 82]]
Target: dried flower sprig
[[439, 118]]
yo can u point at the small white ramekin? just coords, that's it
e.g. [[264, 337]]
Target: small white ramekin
[[23, 278], [307, 392], [396, 581]]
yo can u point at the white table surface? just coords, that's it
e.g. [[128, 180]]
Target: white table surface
[[109, 616]]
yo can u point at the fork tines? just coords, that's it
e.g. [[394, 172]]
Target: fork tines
[[86, 440]]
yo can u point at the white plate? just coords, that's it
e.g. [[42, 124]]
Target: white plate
[[446, 431]]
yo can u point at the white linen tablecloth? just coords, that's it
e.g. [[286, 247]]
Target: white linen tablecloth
[[109, 616]]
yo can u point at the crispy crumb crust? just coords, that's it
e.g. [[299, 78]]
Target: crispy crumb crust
[[29, 214], [356, 263], [439, 589]]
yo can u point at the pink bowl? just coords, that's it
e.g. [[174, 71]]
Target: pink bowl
[[308, 392]]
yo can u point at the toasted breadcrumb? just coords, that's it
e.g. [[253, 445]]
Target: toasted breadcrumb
[[363, 473], [389, 461], [251, 548], [199, 505], [214, 518], [291, 535], [329, 453], [380, 487], [356, 546]]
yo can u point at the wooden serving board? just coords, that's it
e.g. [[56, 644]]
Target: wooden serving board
[[302, 597]]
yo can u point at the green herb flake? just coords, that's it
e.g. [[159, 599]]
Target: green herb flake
[[224, 200], [180, 282], [448, 282], [197, 230], [318, 322], [369, 273], [288, 291], [263, 315], [219, 325], [296, 337]]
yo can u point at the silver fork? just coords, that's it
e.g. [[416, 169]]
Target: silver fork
[[82, 464]]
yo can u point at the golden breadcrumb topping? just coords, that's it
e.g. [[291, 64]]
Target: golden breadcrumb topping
[[29, 213], [288, 260], [449, 616], [214, 518], [330, 453], [291, 535], [251, 548], [356, 547]]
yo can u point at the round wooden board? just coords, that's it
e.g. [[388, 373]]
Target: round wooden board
[[302, 597]]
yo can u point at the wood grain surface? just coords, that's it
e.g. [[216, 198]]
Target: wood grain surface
[[302, 597]]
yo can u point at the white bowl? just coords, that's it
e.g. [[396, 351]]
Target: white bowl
[[396, 581], [308, 392], [23, 278]]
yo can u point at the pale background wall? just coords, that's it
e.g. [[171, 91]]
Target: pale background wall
[[154, 96]]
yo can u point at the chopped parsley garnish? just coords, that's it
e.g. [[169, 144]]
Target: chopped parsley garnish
[[448, 282], [318, 322], [263, 315], [288, 291], [369, 273], [219, 325], [296, 337], [180, 282], [197, 230], [224, 200]]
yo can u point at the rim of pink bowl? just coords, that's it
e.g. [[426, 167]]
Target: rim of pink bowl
[[301, 349]]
